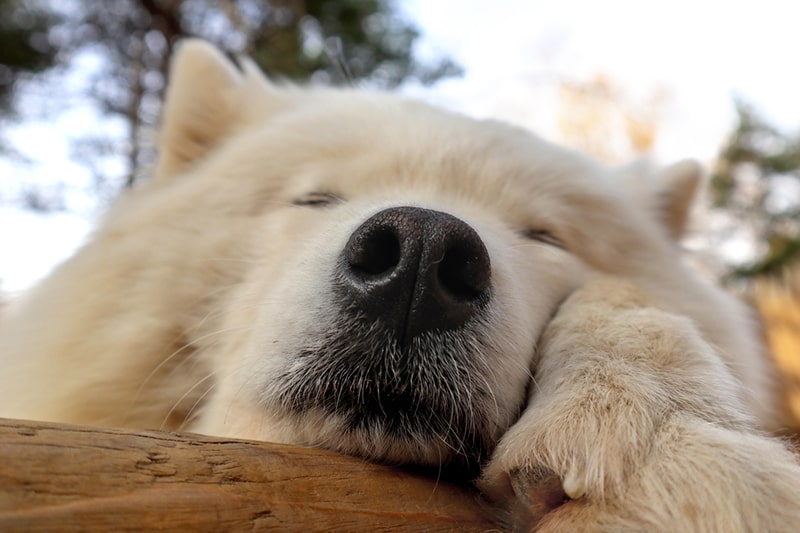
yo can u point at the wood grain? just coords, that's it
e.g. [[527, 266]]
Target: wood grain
[[56, 477]]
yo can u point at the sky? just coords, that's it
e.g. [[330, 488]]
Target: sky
[[702, 54]]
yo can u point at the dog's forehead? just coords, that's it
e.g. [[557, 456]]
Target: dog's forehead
[[381, 142]]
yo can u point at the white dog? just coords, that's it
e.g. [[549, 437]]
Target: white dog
[[375, 276]]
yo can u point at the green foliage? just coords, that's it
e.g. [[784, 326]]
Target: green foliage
[[24, 47], [340, 42], [756, 180]]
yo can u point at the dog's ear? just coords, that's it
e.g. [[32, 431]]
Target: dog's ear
[[675, 192], [205, 103], [199, 105], [668, 193]]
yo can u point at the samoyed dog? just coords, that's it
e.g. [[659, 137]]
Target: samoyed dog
[[378, 277]]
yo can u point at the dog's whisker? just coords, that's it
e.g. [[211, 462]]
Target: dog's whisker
[[183, 397], [193, 343], [194, 409]]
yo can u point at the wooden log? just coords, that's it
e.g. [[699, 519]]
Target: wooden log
[[56, 477]]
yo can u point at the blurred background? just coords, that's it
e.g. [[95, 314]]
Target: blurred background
[[81, 83]]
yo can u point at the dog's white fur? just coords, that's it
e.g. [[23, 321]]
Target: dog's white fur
[[199, 288]]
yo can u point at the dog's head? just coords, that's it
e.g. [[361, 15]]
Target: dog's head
[[400, 262]]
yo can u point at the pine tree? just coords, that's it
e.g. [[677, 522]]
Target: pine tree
[[756, 181]]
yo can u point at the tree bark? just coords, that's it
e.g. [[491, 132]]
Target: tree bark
[[56, 477]]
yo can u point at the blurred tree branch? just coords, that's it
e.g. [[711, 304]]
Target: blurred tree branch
[[24, 47]]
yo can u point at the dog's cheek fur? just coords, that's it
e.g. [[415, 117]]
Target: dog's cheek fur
[[277, 304]]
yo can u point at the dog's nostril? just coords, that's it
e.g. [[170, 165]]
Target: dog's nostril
[[464, 273], [375, 253]]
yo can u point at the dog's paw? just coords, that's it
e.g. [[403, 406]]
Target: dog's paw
[[523, 496], [614, 371], [581, 452]]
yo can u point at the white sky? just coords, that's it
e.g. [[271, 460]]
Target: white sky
[[704, 53]]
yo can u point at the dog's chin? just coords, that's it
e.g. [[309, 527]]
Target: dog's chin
[[356, 390], [426, 454]]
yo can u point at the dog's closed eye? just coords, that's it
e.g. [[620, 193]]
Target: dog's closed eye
[[543, 236], [318, 199]]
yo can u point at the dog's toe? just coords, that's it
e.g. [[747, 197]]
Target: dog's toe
[[525, 495]]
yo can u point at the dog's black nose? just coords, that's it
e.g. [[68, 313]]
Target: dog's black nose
[[415, 270]]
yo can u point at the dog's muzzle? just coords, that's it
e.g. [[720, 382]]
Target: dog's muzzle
[[403, 363]]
